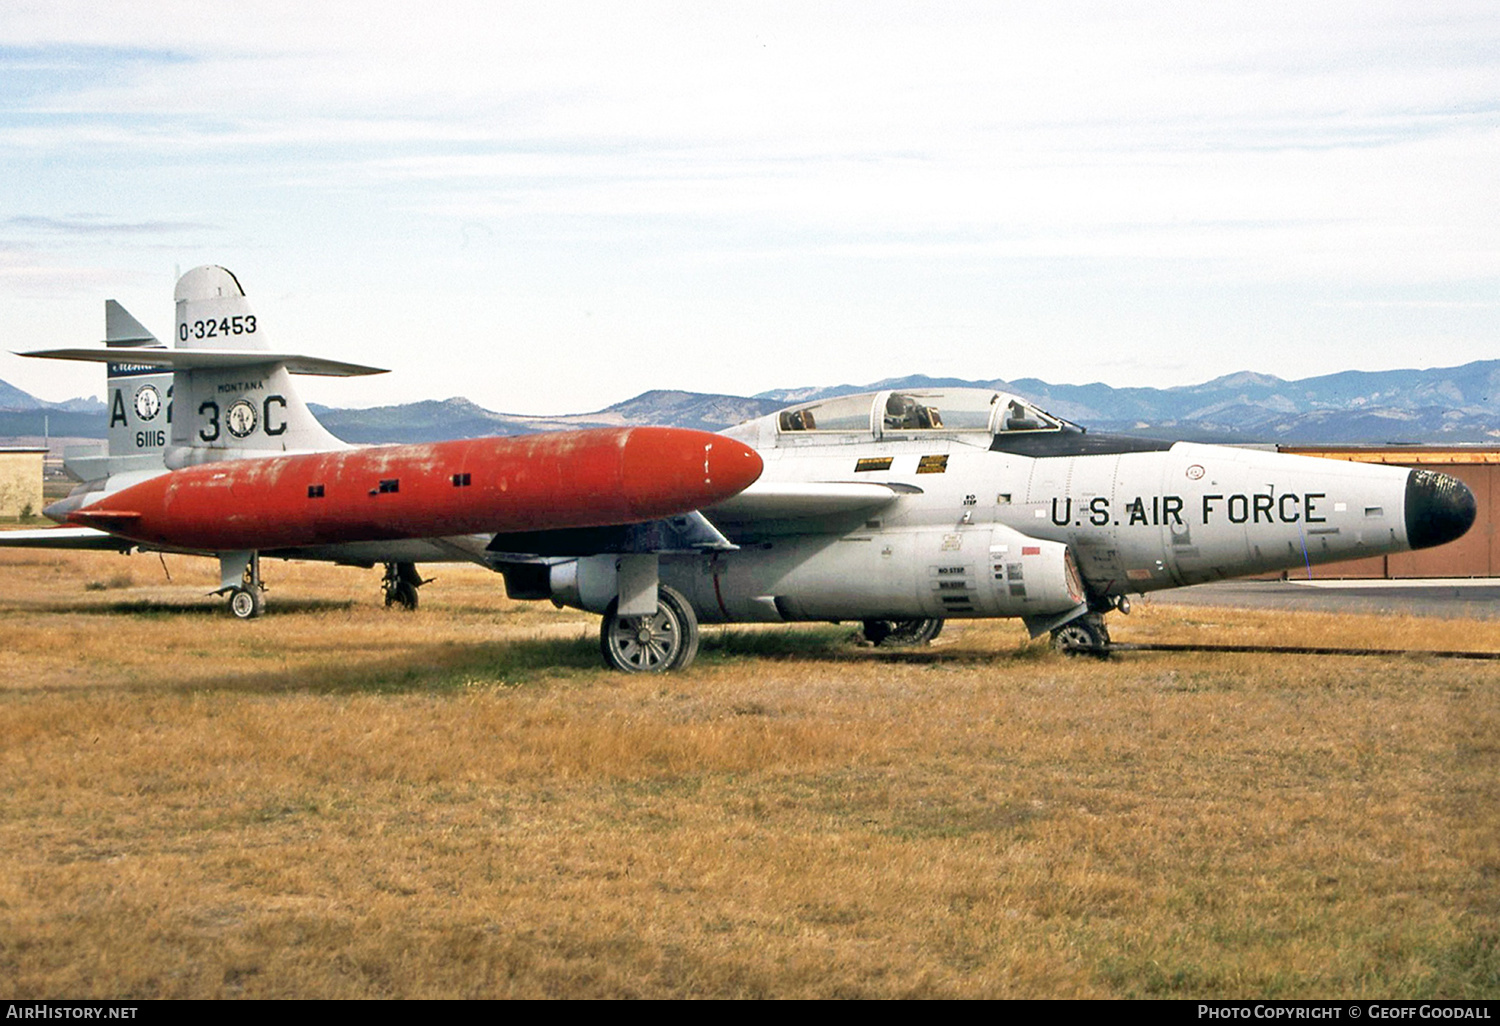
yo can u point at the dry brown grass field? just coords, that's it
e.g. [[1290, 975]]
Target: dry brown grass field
[[340, 800]]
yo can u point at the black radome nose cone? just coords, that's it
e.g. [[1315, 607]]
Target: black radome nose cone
[[1439, 508]]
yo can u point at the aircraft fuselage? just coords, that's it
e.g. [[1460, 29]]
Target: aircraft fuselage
[[1134, 522], [1045, 522]]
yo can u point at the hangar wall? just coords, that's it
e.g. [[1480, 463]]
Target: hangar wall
[[21, 482], [1476, 554]]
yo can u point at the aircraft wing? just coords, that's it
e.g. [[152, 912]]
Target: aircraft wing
[[779, 500], [64, 538], [200, 359]]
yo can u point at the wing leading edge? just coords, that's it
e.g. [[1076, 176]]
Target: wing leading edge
[[64, 538], [781, 500]]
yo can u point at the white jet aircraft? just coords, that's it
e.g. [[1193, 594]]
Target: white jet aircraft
[[899, 509], [904, 508]]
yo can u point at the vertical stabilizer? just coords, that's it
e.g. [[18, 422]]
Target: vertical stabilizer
[[140, 397], [212, 312], [121, 329], [231, 412]]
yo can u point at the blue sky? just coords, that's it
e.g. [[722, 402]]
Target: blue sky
[[551, 207]]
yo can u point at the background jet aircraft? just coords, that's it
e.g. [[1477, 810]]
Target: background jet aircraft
[[240, 467], [904, 508]]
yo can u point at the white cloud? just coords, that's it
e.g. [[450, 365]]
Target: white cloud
[[835, 179]]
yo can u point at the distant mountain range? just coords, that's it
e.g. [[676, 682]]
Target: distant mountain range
[[22, 414], [1440, 405], [459, 418]]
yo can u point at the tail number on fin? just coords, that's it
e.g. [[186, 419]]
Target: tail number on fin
[[240, 324]]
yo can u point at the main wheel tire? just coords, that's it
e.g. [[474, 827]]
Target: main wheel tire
[[914, 632], [901, 633], [246, 603], [1082, 637], [666, 640]]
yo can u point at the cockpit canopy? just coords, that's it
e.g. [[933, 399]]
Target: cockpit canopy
[[917, 411]]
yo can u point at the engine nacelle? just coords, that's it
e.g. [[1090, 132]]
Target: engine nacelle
[[969, 572], [1039, 577], [589, 582]]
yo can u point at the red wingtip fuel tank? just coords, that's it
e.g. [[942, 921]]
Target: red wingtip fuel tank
[[481, 485]]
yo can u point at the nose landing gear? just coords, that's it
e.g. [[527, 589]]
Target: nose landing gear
[[239, 576], [400, 585], [247, 602], [1088, 634]]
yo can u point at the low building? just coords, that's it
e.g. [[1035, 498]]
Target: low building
[[21, 482], [1476, 554]]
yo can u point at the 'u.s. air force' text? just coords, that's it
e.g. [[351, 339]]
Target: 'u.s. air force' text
[[1173, 510]]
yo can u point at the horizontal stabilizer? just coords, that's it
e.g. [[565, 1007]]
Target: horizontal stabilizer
[[79, 538], [794, 501], [209, 359], [98, 467]]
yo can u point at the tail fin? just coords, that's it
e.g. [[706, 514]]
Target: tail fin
[[245, 407], [140, 396], [212, 312], [227, 395], [140, 406]]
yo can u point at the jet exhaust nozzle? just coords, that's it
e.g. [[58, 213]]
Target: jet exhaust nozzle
[[1439, 508]]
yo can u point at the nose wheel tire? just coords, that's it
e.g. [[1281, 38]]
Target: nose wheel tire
[[400, 585], [1086, 635], [665, 640], [403, 595], [246, 603]]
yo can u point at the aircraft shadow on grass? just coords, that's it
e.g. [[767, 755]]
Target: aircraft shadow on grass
[[518, 662], [148, 608]]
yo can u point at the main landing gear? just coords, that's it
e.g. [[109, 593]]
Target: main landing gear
[[664, 640], [400, 585], [239, 576], [901, 633]]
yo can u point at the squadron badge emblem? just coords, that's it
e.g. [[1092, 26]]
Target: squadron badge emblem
[[147, 402], [241, 418]]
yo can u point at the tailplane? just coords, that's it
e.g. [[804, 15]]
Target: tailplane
[[220, 394]]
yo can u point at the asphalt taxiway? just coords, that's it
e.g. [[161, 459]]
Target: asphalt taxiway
[[1452, 598]]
